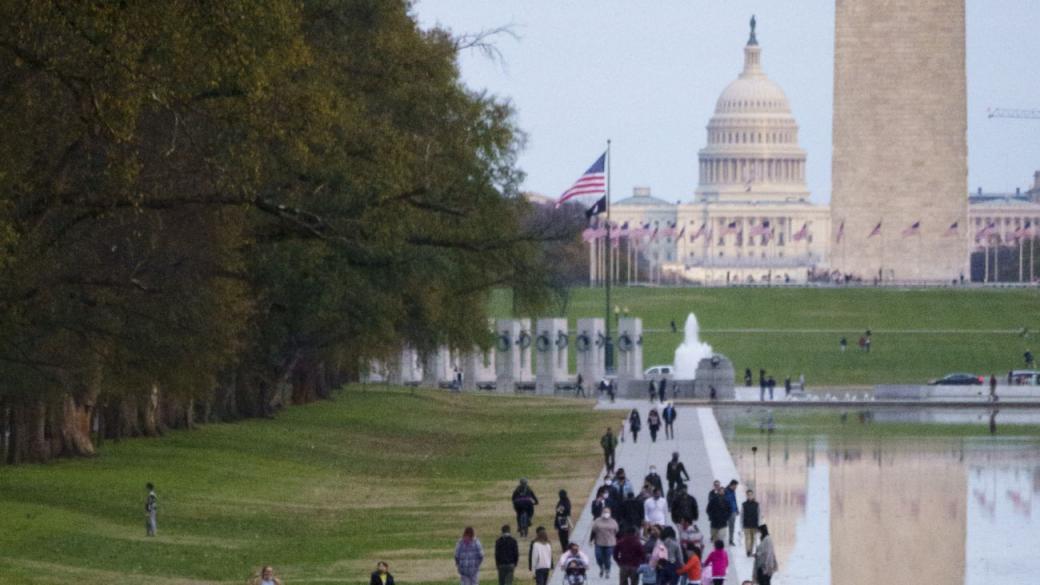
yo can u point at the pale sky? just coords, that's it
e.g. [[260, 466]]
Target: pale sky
[[647, 74]]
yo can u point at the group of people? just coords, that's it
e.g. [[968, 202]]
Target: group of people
[[767, 383]]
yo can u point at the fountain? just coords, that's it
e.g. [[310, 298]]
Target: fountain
[[690, 353]]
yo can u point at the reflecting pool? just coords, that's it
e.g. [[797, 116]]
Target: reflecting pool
[[894, 497]]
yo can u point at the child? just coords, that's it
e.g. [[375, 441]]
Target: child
[[719, 561], [647, 574], [692, 569]]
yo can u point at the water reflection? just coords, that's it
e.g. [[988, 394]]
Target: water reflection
[[861, 510]]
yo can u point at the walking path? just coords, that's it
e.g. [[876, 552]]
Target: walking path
[[701, 447]]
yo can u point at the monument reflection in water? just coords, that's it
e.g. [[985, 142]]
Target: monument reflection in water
[[854, 510], [691, 351]]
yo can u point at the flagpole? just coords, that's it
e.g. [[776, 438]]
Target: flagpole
[[608, 342], [1021, 272]]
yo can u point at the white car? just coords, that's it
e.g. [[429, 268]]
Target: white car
[[658, 371]]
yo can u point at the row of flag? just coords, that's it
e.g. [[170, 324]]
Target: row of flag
[[1025, 231], [653, 231]]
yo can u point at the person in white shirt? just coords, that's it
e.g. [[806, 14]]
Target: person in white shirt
[[574, 552], [655, 509], [539, 556]]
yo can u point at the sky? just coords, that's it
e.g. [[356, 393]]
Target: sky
[[646, 75]]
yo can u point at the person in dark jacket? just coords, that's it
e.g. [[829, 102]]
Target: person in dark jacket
[[629, 555], [718, 511], [609, 444], [524, 502], [381, 576], [507, 555], [749, 511], [653, 479], [562, 521], [734, 509], [684, 506], [634, 424], [653, 391], [662, 391], [669, 414], [675, 473], [653, 421], [631, 513]]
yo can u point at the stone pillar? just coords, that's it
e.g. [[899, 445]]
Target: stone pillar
[[437, 367], [551, 347], [478, 367], [590, 353], [512, 353], [630, 350], [411, 366]]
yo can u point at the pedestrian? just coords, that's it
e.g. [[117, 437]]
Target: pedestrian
[[683, 506], [787, 386], [381, 576], [674, 328], [622, 485], [843, 344], [609, 444], [653, 421], [749, 521], [611, 390], [151, 510], [667, 567], [655, 509], [629, 555], [580, 383], [867, 345], [634, 424], [631, 514], [540, 557], [719, 561], [675, 472], [654, 480], [653, 390], [669, 414], [992, 388], [770, 385], [690, 538], [507, 555], [761, 385], [524, 502], [1028, 355], [574, 553], [662, 389], [801, 382], [266, 576], [562, 520], [717, 510], [765, 559], [734, 510], [863, 343], [747, 377], [469, 554], [692, 569], [604, 538]]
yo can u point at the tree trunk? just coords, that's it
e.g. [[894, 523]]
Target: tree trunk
[[150, 412], [73, 426]]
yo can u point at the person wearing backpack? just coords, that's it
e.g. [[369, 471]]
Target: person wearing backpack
[[562, 520], [634, 424]]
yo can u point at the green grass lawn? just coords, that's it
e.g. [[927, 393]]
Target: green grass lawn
[[322, 492], [917, 334]]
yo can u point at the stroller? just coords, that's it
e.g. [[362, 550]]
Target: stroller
[[574, 573]]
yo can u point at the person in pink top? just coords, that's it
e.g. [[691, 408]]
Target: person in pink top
[[719, 561]]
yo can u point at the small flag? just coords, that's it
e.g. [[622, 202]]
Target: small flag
[[913, 230], [669, 232], [802, 233], [952, 230], [589, 234], [876, 231], [985, 232], [653, 236], [841, 232], [593, 182], [1023, 232], [731, 228], [761, 229], [600, 206]]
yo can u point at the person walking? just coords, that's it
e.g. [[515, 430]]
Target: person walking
[[540, 557], [151, 510], [801, 382], [761, 385], [652, 390], [623, 485], [662, 389], [992, 388], [690, 538], [524, 502], [574, 553], [843, 344], [719, 562], [734, 509], [507, 555], [675, 472], [718, 511], [684, 506], [692, 569], [381, 576], [266, 576], [655, 509], [609, 444], [635, 423], [653, 421], [766, 564], [1028, 357], [629, 555], [787, 386], [654, 480], [604, 538], [771, 385], [562, 520], [667, 567], [631, 514], [669, 415], [469, 554], [580, 386], [747, 377], [749, 521]]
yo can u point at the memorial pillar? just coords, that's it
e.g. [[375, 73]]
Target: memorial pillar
[[590, 352], [630, 352], [551, 347]]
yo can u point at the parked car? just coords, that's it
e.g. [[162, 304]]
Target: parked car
[[1024, 378], [959, 379], [658, 371]]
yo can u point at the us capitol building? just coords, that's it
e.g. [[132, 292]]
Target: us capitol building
[[751, 219]]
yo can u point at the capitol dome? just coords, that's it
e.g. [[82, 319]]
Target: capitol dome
[[752, 152]]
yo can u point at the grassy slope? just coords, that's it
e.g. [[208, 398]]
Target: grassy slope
[[322, 492], [895, 357]]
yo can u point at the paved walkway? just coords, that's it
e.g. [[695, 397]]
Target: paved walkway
[[701, 448]]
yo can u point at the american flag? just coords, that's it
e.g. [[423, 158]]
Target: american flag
[[669, 232], [913, 230], [876, 231], [761, 229], [952, 230], [657, 228], [731, 228], [699, 233], [589, 234], [592, 183], [841, 232], [1026, 231], [616, 233], [986, 232], [802, 233]]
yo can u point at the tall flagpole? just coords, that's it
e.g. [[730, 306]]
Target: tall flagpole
[[608, 342]]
